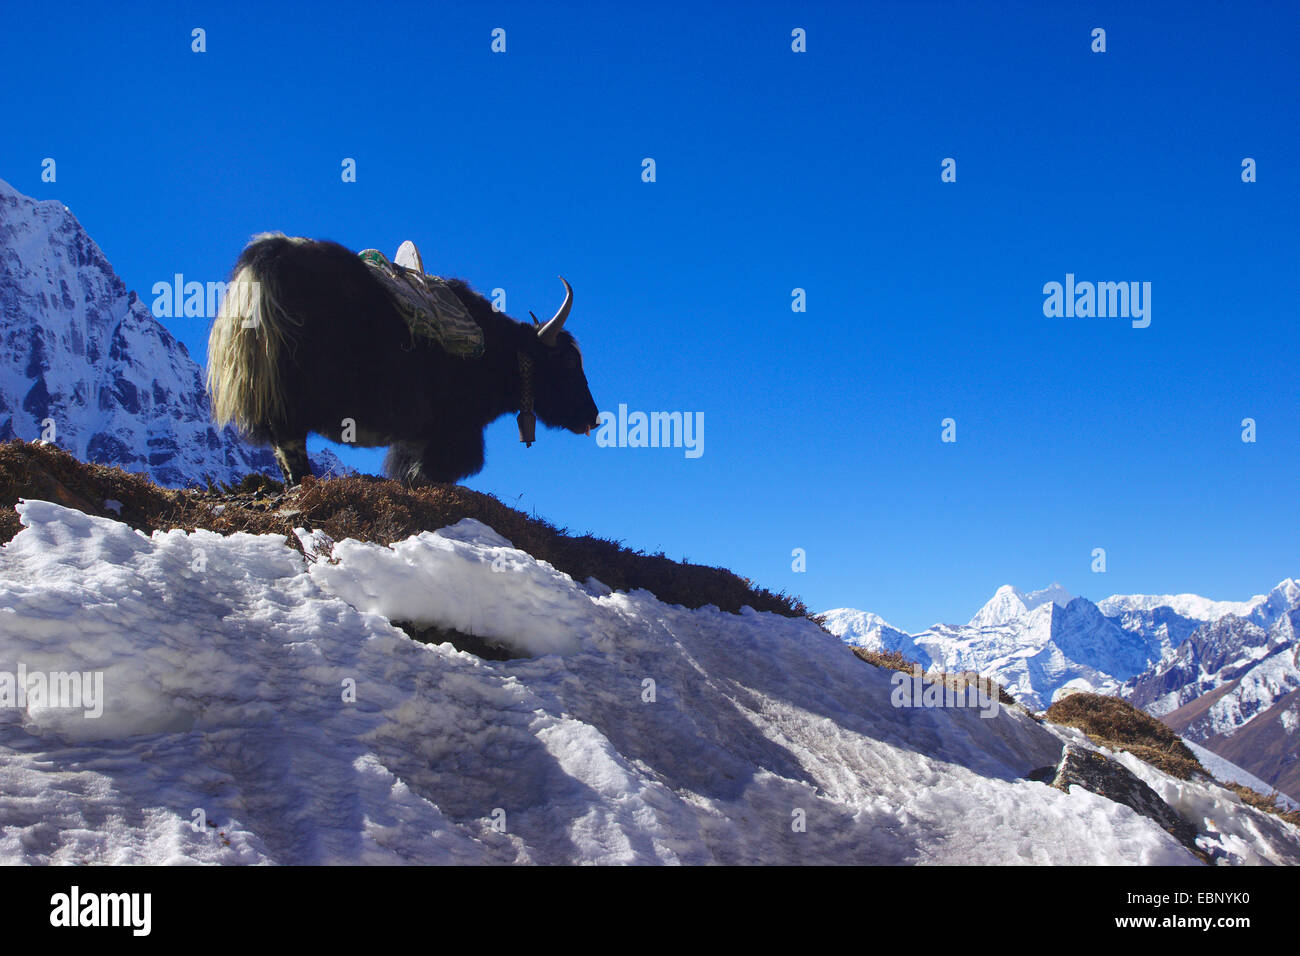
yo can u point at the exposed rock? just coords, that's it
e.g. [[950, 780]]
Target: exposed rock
[[1099, 774]]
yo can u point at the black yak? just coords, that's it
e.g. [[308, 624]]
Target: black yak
[[309, 340]]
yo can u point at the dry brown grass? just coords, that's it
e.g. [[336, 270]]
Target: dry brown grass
[[368, 509], [1118, 725], [986, 685], [891, 660], [1257, 800], [30, 470], [958, 681]]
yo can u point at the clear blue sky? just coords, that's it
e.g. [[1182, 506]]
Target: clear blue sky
[[775, 170]]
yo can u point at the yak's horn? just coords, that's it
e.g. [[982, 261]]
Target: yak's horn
[[550, 332]]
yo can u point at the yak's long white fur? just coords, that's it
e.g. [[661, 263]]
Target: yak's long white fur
[[248, 337]]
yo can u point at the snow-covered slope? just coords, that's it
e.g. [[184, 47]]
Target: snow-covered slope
[[1191, 606], [1268, 744], [1227, 771], [273, 698], [80, 352], [1223, 673]]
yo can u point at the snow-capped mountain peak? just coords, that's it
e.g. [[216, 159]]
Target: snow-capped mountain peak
[[863, 622], [872, 632], [1009, 603], [1038, 644], [84, 363], [1280, 600]]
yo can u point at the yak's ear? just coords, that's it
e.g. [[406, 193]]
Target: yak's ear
[[527, 341]]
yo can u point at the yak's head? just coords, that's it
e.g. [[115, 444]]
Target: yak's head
[[561, 397]]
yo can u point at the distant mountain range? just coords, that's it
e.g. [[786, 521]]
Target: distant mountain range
[[1225, 674], [1037, 644], [84, 363], [1234, 687]]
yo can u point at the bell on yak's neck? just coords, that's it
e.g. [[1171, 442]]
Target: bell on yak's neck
[[527, 423]]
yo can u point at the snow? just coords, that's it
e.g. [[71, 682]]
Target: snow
[[273, 694], [1250, 668], [1188, 605], [1010, 603], [1262, 608], [1232, 831], [542, 618], [1255, 692]]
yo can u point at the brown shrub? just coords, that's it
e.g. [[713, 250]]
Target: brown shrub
[[1118, 725], [368, 509]]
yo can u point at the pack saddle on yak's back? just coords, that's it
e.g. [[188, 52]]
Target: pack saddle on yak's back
[[433, 312]]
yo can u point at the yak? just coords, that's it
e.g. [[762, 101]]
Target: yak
[[309, 340]]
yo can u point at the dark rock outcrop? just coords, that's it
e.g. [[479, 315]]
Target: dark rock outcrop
[[1099, 774]]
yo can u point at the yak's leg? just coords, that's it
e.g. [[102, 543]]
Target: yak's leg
[[404, 462], [439, 459], [455, 455], [291, 456]]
